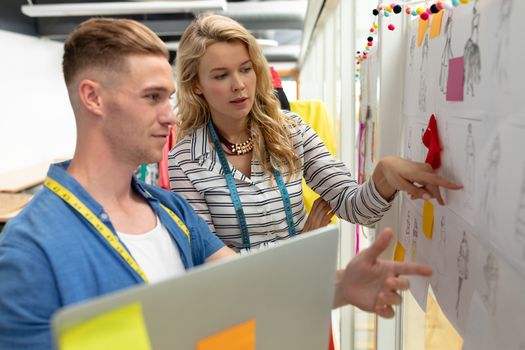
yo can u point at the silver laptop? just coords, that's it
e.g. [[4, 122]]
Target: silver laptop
[[287, 289]]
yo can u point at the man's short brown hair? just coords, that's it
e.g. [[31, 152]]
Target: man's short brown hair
[[104, 42]]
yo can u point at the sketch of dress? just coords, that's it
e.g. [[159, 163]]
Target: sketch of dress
[[446, 156], [413, 248], [462, 267], [472, 54], [491, 274], [412, 49], [446, 56], [520, 216], [422, 149], [409, 144], [488, 199], [470, 166], [503, 41], [439, 255], [422, 100], [406, 238]]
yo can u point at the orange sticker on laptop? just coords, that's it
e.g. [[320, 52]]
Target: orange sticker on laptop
[[239, 337]]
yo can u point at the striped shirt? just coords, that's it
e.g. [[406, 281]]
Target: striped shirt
[[196, 174]]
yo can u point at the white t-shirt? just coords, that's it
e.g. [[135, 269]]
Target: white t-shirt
[[155, 252]]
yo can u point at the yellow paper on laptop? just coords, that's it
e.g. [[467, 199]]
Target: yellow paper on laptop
[[120, 329]]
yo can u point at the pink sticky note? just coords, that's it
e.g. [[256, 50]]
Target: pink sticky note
[[456, 76]]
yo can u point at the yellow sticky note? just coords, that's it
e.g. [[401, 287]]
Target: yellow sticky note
[[435, 28], [120, 329], [399, 252], [428, 219], [439, 333], [423, 26], [240, 337]]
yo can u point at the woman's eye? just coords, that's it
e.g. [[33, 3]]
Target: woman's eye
[[220, 77], [246, 70]]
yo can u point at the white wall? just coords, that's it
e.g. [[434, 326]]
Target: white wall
[[36, 120]]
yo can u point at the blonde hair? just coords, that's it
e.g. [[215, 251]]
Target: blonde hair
[[104, 42], [269, 126]]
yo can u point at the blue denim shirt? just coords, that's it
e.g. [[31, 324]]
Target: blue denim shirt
[[51, 257]]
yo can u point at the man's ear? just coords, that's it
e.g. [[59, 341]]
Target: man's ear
[[89, 93]]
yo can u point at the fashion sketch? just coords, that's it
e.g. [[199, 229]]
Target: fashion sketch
[[446, 56], [488, 198], [412, 50], [472, 54], [406, 238], [491, 275], [422, 149], [520, 216], [462, 267], [503, 41], [409, 144], [470, 166], [448, 165], [439, 256], [413, 247], [422, 100]]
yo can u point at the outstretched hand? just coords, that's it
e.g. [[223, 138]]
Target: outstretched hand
[[417, 179], [372, 284]]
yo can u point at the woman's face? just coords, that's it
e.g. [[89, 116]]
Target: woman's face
[[226, 79]]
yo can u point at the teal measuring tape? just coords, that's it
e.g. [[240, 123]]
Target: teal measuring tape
[[234, 194]]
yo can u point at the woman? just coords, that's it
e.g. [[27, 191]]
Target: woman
[[240, 158]]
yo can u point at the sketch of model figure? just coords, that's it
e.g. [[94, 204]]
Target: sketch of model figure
[[413, 247], [446, 56], [422, 100], [503, 40], [491, 274], [470, 164], [488, 199], [462, 267], [472, 54], [448, 165], [406, 238], [439, 254], [411, 53], [520, 216]]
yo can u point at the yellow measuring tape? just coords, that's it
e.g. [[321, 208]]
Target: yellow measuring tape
[[102, 229]]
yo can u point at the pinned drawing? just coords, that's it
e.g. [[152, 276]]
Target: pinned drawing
[[409, 143], [488, 198], [491, 275], [413, 248], [470, 166], [448, 164], [412, 50], [503, 41], [472, 54], [446, 56], [463, 257], [422, 100], [407, 230], [439, 255], [520, 216]]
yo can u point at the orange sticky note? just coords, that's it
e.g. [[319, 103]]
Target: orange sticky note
[[428, 219], [399, 252], [435, 27], [423, 26], [240, 337]]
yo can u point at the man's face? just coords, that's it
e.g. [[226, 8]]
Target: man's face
[[227, 80], [137, 109]]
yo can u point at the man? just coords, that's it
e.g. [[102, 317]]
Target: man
[[94, 229]]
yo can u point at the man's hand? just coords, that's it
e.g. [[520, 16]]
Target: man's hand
[[372, 284], [319, 216]]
